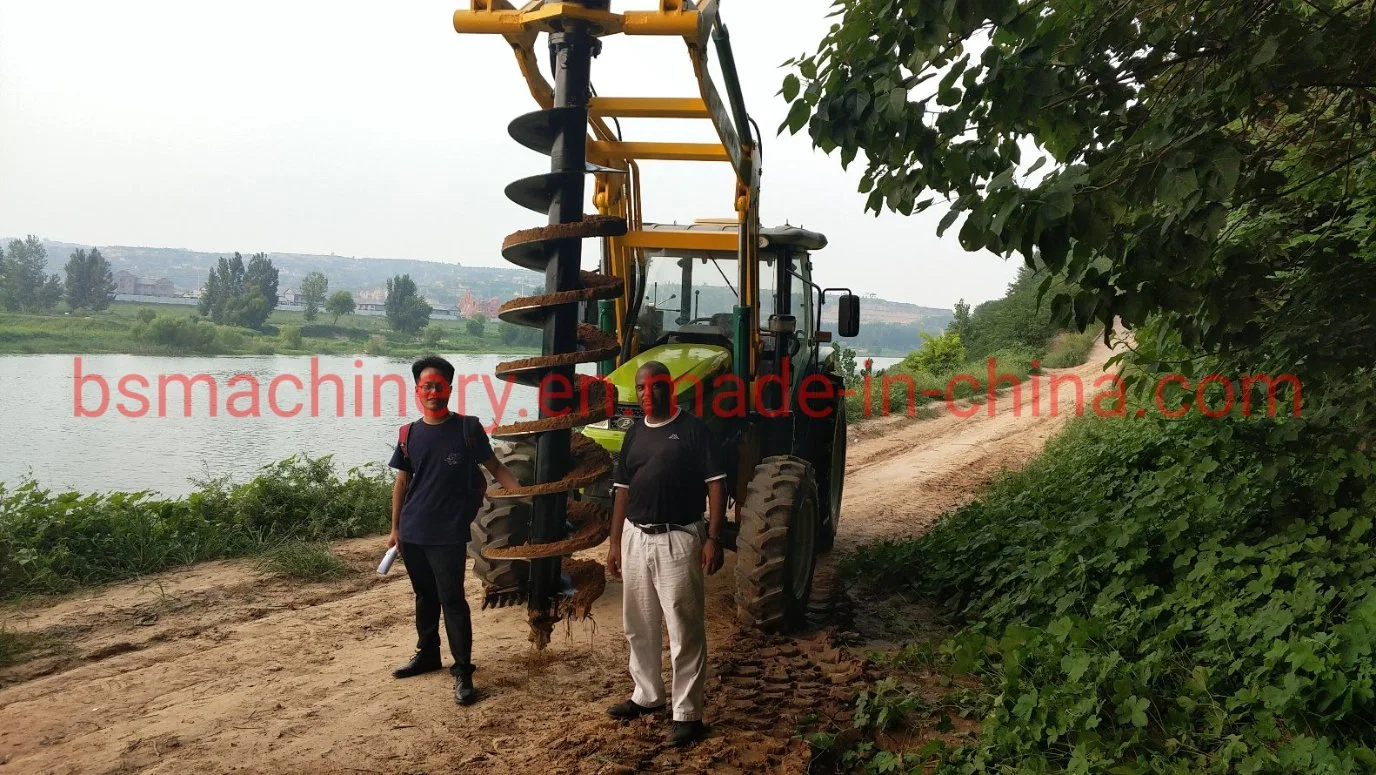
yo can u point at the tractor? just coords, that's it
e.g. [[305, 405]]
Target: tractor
[[728, 306]]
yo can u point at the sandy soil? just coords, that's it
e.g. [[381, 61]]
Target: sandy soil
[[218, 668]]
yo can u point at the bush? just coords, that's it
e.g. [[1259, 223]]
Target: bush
[[1157, 596], [937, 354], [476, 324], [378, 345], [180, 335], [433, 335], [55, 542], [145, 315], [234, 338], [291, 336]]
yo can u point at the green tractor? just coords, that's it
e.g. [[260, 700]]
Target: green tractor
[[771, 395]]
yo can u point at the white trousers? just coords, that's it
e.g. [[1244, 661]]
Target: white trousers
[[663, 584]]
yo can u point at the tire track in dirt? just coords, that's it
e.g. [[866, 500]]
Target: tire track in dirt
[[219, 669]]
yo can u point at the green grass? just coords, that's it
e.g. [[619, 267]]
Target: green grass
[[57, 542], [119, 330], [921, 393], [15, 646], [1070, 349], [302, 561]]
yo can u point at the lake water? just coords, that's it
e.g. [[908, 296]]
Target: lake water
[[69, 440], [128, 427]]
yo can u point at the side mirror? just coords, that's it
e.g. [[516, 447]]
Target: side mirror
[[848, 323]]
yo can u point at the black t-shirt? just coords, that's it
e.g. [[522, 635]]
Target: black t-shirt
[[666, 469], [442, 459]]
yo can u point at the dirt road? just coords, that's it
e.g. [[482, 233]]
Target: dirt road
[[219, 669]]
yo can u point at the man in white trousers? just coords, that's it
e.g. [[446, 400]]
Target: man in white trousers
[[667, 469]]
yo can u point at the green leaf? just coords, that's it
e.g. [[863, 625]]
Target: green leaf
[[1075, 665], [898, 102], [797, 117], [946, 221], [791, 87]]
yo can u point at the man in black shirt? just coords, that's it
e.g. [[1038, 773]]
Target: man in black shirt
[[667, 468], [437, 488]]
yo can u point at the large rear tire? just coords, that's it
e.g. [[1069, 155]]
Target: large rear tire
[[505, 522], [776, 550]]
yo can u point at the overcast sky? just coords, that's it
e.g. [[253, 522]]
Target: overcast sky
[[373, 129]]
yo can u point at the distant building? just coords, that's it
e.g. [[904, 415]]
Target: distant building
[[470, 305], [129, 284]]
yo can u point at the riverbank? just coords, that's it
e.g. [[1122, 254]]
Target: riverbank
[[131, 328]]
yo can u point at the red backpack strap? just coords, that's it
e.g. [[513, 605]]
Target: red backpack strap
[[402, 436]]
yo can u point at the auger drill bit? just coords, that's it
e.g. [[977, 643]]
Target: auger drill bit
[[564, 461]]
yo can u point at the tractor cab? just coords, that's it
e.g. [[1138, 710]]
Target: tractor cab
[[688, 311]]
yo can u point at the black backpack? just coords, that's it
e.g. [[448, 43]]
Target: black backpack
[[477, 485]]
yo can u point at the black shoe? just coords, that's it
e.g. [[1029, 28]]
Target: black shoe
[[464, 693], [421, 662], [630, 710], [684, 732]]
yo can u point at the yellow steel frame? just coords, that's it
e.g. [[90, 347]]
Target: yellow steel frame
[[619, 193]]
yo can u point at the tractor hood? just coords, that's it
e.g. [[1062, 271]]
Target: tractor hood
[[701, 361]]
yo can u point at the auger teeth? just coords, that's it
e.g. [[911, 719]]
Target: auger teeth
[[588, 580]]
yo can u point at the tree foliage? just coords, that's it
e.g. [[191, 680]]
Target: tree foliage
[[1020, 318], [240, 295], [1210, 164], [313, 289], [90, 282], [25, 285], [476, 324], [406, 310], [340, 303], [960, 321], [938, 354]]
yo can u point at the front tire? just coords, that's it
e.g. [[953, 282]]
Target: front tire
[[776, 550]]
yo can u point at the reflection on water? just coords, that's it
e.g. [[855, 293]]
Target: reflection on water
[[66, 441]]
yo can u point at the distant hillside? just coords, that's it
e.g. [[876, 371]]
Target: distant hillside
[[876, 310], [187, 269], [887, 327]]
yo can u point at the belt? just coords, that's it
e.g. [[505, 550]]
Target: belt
[[659, 528]]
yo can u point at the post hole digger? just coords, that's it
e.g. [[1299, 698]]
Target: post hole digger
[[743, 343]]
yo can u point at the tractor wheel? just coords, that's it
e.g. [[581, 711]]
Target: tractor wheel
[[504, 522], [834, 485], [776, 549]]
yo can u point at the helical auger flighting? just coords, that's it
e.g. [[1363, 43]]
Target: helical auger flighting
[[566, 461]]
